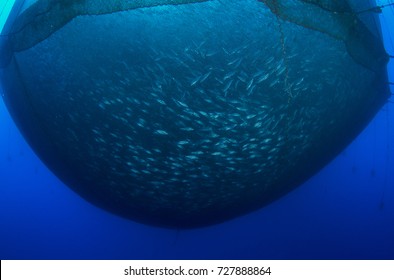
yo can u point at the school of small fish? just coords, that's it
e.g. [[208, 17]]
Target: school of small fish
[[201, 122]]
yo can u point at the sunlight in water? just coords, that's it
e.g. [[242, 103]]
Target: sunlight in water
[[5, 8]]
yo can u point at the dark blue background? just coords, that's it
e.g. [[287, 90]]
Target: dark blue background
[[344, 212]]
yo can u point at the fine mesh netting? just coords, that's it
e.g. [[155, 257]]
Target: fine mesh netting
[[336, 19], [44, 17], [188, 113]]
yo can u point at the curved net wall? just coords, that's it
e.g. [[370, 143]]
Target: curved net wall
[[188, 113]]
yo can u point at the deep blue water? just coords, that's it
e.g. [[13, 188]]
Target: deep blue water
[[344, 212]]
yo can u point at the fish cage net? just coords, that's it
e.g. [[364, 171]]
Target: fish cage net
[[189, 112]]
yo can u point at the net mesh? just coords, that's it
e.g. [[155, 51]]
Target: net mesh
[[335, 19], [332, 17], [45, 17], [186, 115]]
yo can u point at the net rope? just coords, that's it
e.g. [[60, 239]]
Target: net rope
[[336, 19]]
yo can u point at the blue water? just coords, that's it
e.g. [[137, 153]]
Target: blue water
[[344, 212]]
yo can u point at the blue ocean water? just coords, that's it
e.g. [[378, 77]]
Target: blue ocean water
[[344, 212]]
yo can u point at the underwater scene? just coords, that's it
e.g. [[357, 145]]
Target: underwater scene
[[196, 129]]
